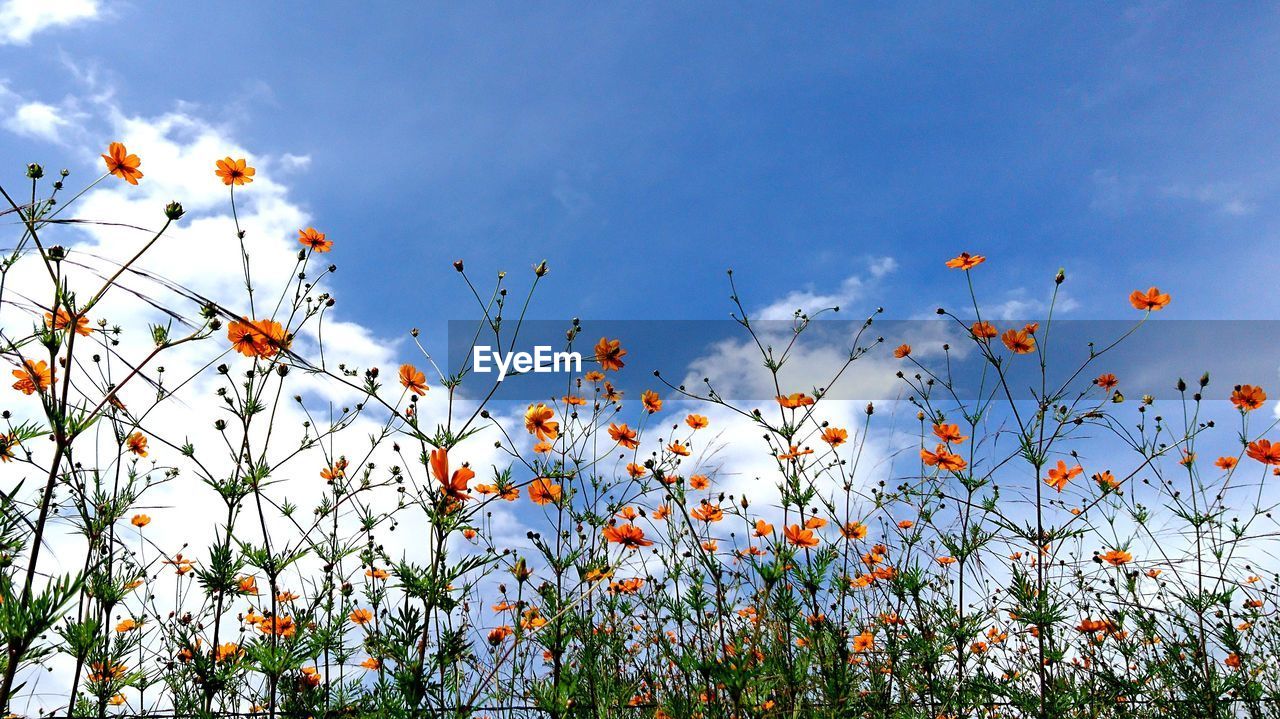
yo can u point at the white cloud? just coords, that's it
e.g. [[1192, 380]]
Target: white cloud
[[20, 20], [37, 120], [812, 300]]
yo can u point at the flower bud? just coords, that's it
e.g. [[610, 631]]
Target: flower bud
[[540, 269], [174, 210], [34, 171]]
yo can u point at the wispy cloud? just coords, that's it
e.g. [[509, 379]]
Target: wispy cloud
[[20, 20]]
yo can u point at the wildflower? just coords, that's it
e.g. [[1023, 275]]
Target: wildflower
[[413, 380], [763, 528], [800, 537], [234, 172], [651, 401], [902, 351], [543, 491], [264, 338], [103, 672], [453, 486], [636, 471], [906, 524], [623, 435], [1059, 476], [361, 617], [63, 322], [864, 642], [1106, 381], [248, 585], [371, 663], [279, 626], [375, 573], [537, 421], [1247, 398], [708, 512], [949, 433], [137, 443], [335, 471], [33, 377], [230, 650], [854, 530], [7, 443], [1116, 557], [314, 240], [542, 447], [499, 634], [283, 597], [1151, 300], [699, 482], [965, 261], [116, 700], [678, 449], [1225, 463], [1106, 481], [140, 520], [697, 421], [1232, 660], [628, 535], [795, 400], [660, 512], [1264, 451], [610, 353], [946, 561], [121, 164], [126, 625], [835, 436], [942, 459], [983, 330], [310, 677], [1019, 341]]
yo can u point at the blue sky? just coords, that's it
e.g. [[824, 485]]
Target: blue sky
[[644, 149]]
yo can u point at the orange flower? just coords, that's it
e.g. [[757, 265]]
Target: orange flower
[[906, 524], [537, 420], [371, 663], [628, 535], [1059, 476], [623, 435], [651, 401], [542, 491], [126, 625], [610, 353], [263, 338], [763, 528], [413, 380], [137, 443], [1225, 463], [1106, 480], [864, 642], [279, 626], [121, 164], [1019, 341], [944, 561], [697, 421], [854, 530], [800, 537], [661, 512], [63, 322], [949, 433], [708, 512], [983, 330], [230, 650], [835, 436], [1106, 381], [499, 634], [1262, 450], [1116, 557], [902, 351], [965, 261], [234, 172], [361, 616], [106, 672], [375, 573], [794, 400], [33, 377], [942, 459], [1247, 397], [678, 449], [248, 585], [1232, 660], [455, 486], [140, 520], [1150, 301], [314, 240]]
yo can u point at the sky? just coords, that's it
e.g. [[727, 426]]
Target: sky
[[829, 154], [643, 150]]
